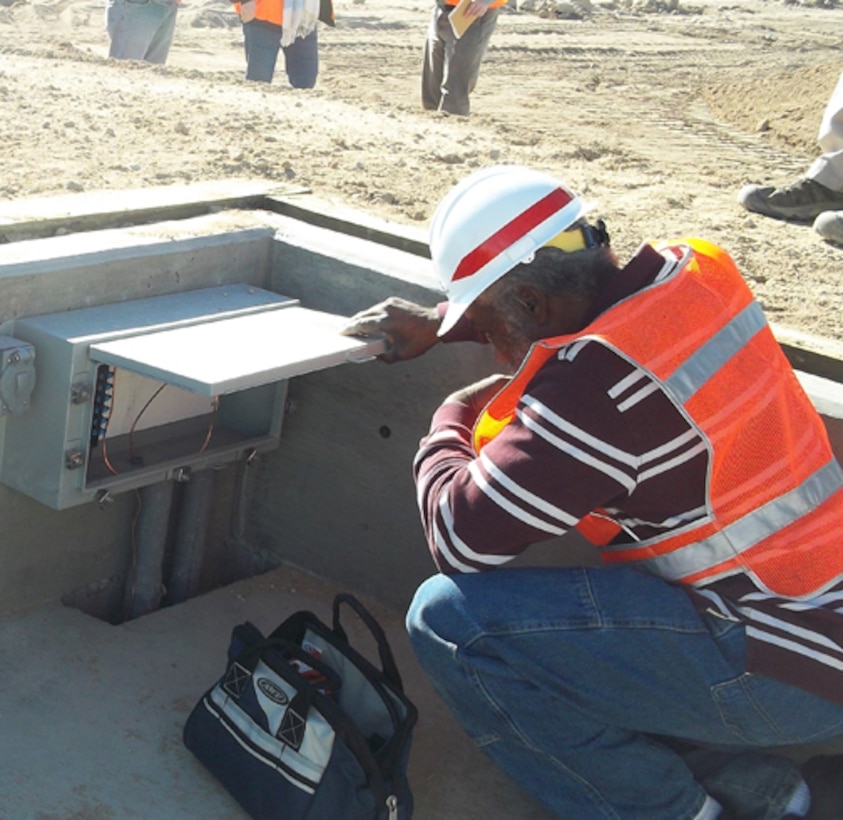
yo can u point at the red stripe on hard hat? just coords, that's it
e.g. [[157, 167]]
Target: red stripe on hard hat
[[510, 233]]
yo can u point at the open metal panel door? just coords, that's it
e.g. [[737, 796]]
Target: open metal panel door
[[225, 355]]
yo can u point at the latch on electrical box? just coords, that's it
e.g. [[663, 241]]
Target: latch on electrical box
[[17, 375]]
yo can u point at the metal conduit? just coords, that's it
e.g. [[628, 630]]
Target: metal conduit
[[145, 589], [189, 554]]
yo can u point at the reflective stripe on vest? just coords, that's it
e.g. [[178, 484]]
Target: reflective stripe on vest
[[774, 512], [715, 353], [747, 532]]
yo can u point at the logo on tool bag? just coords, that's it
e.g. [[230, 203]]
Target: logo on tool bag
[[273, 691]]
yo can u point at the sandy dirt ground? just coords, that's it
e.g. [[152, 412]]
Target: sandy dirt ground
[[658, 112]]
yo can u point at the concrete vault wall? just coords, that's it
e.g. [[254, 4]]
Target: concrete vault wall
[[336, 497]]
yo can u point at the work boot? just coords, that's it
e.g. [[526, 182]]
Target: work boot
[[803, 200], [824, 776], [829, 225]]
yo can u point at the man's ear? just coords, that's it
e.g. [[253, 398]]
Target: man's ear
[[534, 301]]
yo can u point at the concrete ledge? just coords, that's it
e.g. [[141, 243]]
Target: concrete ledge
[[47, 216], [316, 211], [812, 354]]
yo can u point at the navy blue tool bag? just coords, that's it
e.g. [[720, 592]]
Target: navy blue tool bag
[[303, 726]]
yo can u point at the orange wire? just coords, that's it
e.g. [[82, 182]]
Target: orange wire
[[211, 425]]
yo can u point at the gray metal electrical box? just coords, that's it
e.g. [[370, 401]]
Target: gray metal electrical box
[[138, 392]]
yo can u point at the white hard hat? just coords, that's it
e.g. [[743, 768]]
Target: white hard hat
[[492, 221]]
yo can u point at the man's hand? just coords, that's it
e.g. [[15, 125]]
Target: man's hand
[[476, 9], [247, 11], [409, 329], [479, 394]]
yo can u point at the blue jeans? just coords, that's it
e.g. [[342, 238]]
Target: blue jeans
[[594, 688], [301, 57], [140, 29]]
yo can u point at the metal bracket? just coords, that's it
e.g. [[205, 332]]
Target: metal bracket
[[17, 375]]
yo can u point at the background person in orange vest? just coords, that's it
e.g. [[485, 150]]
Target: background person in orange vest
[[451, 66], [141, 29], [286, 25], [649, 406]]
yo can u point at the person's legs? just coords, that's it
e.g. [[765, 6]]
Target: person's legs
[[159, 46], [140, 29], [433, 63], [462, 64], [828, 168], [129, 28], [568, 678], [261, 44], [301, 60]]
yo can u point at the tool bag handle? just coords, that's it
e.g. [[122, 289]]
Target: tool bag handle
[[388, 665]]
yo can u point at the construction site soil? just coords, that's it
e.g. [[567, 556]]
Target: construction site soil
[[658, 112]]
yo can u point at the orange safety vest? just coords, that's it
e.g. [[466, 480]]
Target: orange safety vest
[[774, 488], [493, 5], [272, 11], [267, 11]]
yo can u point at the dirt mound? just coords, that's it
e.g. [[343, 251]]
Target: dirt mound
[[783, 109]]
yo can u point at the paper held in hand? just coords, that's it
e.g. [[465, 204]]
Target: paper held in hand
[[458, 19]]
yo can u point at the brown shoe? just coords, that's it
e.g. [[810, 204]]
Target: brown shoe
[[803, 200]]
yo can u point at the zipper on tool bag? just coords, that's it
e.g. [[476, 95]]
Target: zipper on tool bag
[[392, 807]]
